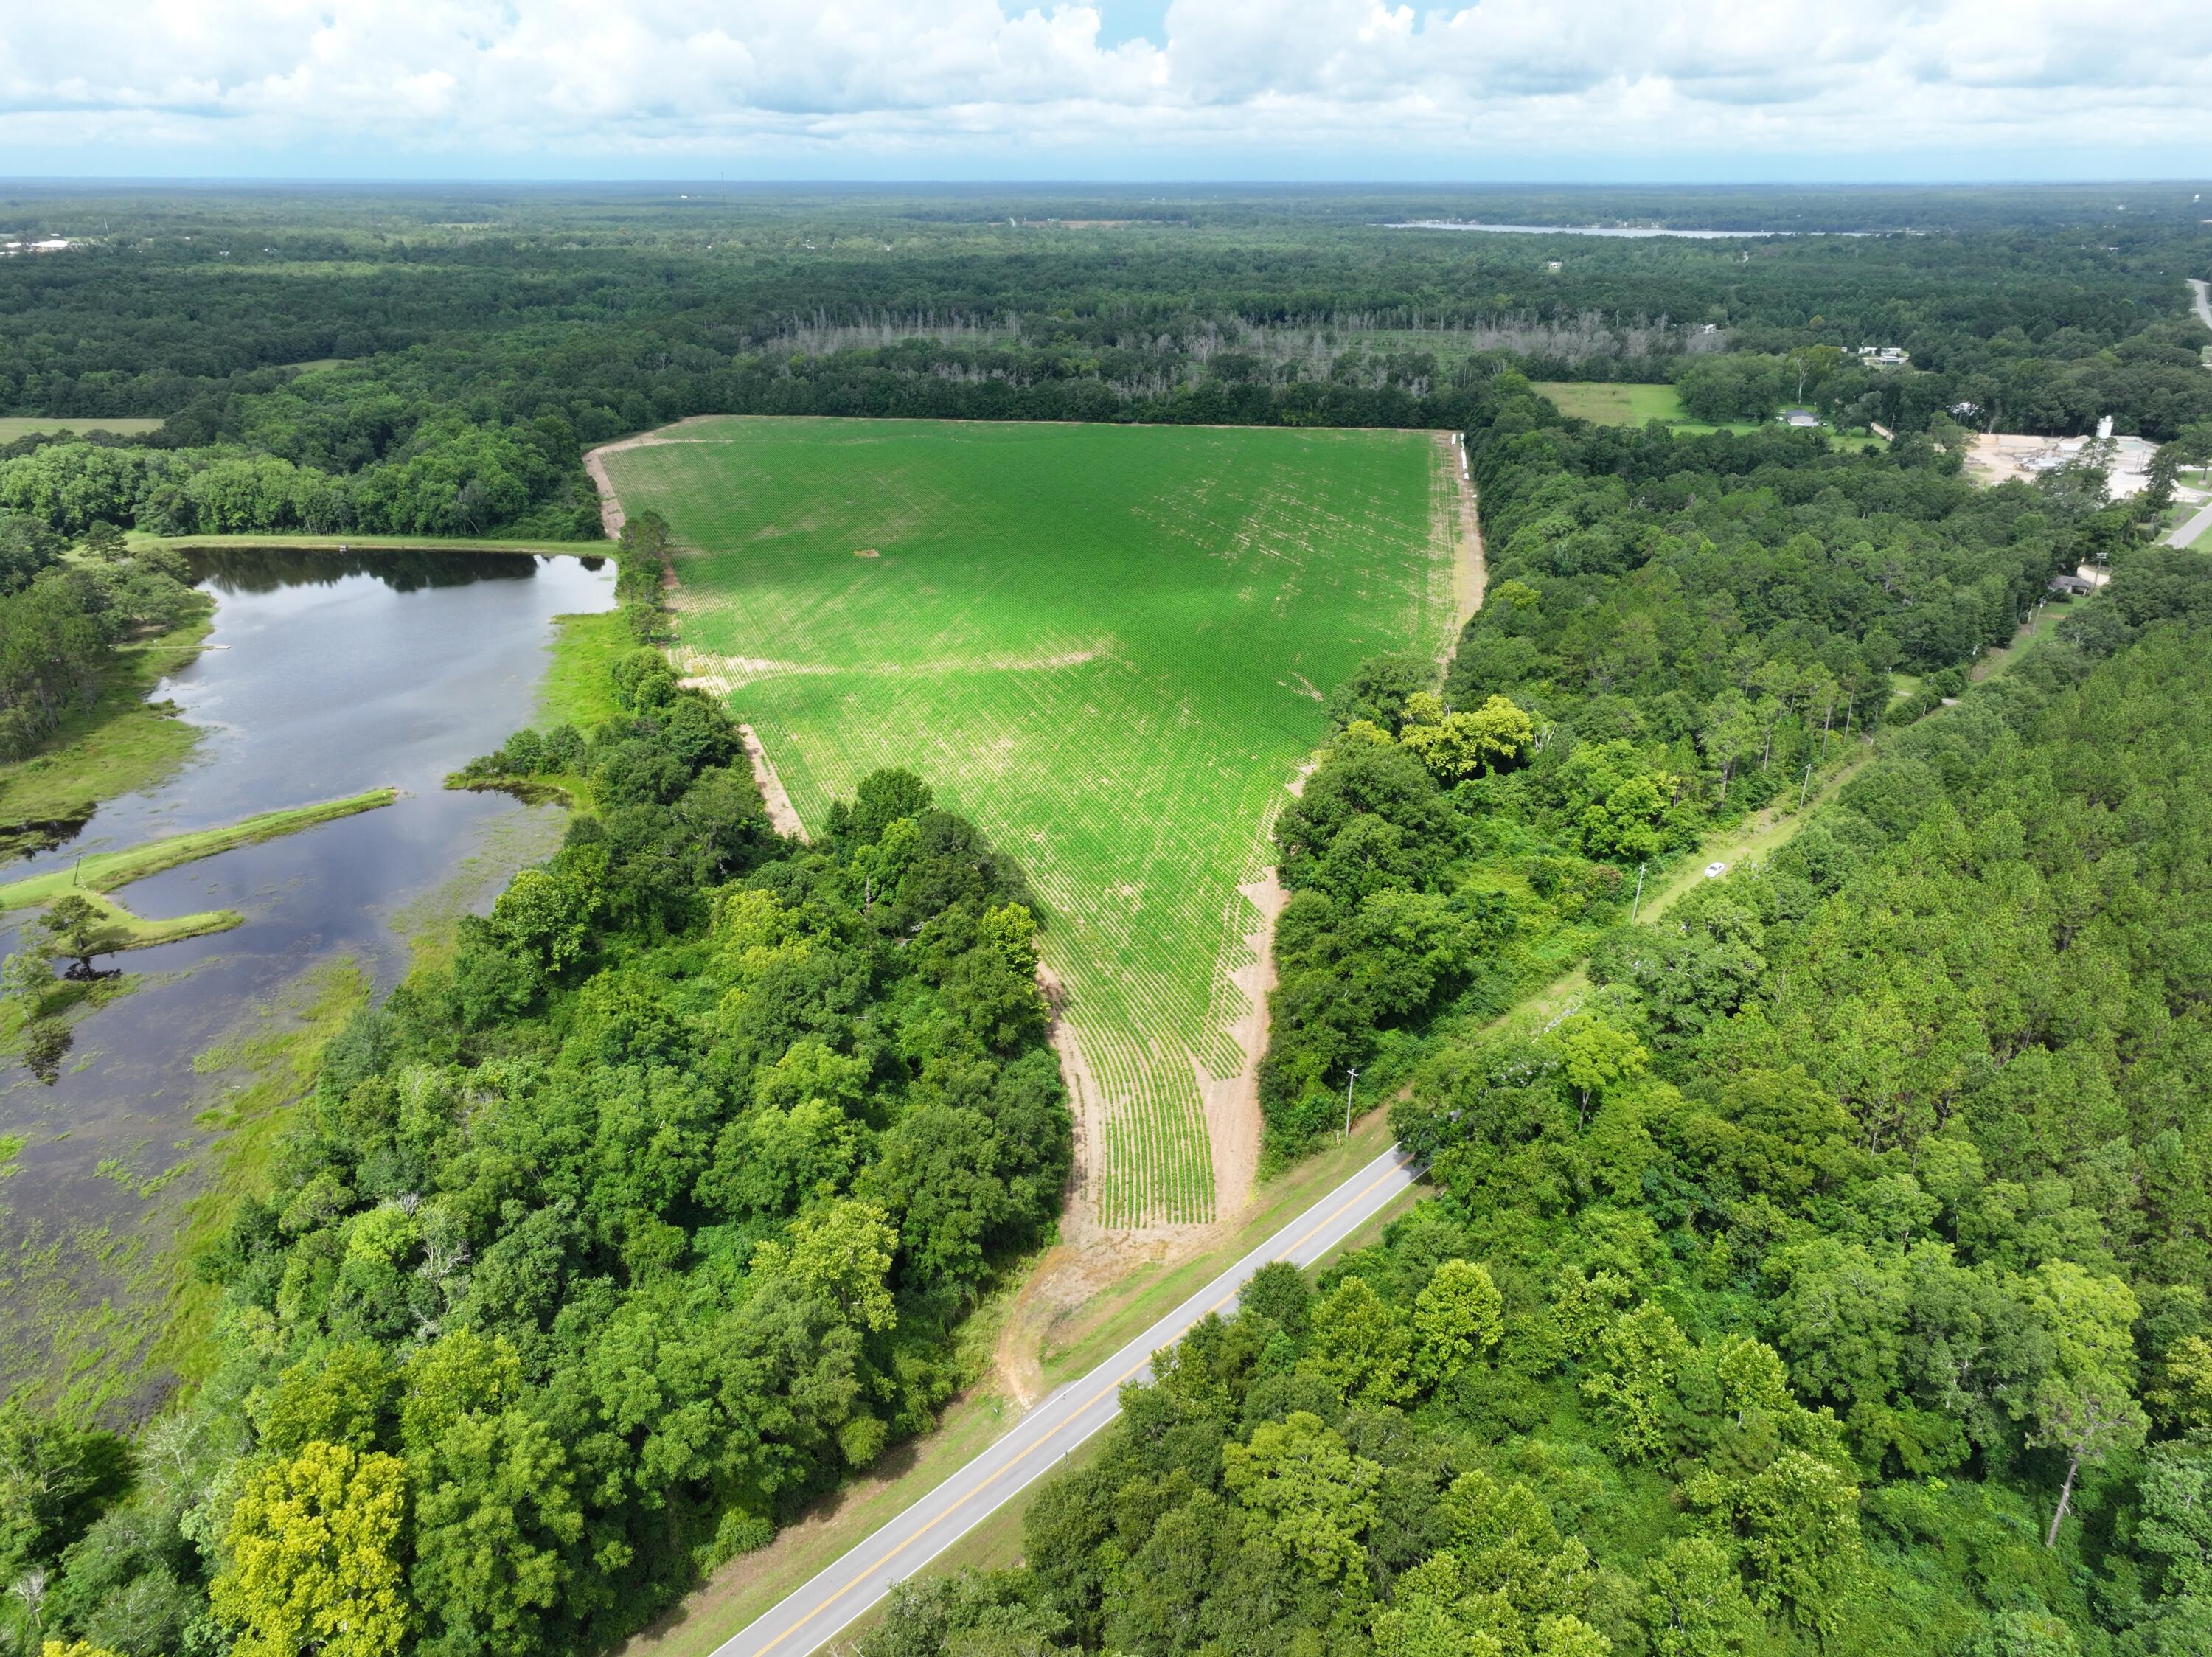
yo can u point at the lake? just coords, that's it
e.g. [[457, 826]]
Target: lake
[[334, 674]]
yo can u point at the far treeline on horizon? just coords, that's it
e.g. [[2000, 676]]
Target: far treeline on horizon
[[1686, 702]]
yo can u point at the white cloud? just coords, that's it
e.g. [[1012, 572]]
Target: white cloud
[[370, 85]]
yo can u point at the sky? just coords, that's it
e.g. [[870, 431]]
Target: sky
[[1620, 90]]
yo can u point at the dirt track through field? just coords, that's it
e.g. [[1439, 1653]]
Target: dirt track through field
[[1470, 569], [1090, 1258], [782, 815], [595, 463]]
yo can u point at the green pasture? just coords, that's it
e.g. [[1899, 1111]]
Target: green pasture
[[1612, 404], [1106, 644], [14, 427], [1615, 403]]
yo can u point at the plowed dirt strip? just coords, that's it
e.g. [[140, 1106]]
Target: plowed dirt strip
[[1102, 643]]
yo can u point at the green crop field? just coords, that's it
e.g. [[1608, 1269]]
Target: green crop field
[[1106, 644], [14, 427]]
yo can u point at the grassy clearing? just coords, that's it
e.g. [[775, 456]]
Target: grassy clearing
[[577, 689], [1106, 644], [14, 427], [1619, 402], [96, 876], [2041, 621], [121, 742], [121, 929], [1613, 402]]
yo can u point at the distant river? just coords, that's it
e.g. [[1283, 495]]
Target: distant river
[[1629, 231], [338, 673]]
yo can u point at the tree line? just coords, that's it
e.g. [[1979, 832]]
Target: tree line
[[336, 365]]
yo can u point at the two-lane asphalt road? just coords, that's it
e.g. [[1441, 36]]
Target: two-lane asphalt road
[[2193, 530], [1043, 1439]]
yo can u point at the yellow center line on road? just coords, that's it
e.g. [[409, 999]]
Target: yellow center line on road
[[1114, 1387]]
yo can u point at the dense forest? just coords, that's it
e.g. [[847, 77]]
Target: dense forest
[[1830, 1279], [1676, 628], [595, 1252], [352, 362]]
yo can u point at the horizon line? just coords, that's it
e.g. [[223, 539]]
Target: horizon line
[[2021, 182]]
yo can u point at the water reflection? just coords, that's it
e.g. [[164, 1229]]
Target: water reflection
[[231, 571]]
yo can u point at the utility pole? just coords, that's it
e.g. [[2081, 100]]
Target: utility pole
[[1638, 903], [1804, 785], [1353, 1077]]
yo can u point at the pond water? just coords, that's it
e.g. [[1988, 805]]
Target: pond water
[[335, 673]]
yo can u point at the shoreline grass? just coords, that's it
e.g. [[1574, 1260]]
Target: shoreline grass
[[96, 876], [579, 686], [272, 1067], [123, 742]]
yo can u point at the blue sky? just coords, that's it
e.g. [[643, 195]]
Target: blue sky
[[1339, 90], [1121, 20]]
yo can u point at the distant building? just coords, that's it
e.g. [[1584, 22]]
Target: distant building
[[1883, 356], [2071, 586], [1555, 265], [1964, 410], [2125, 461], [1800, 417]]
